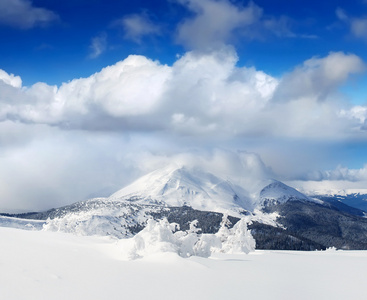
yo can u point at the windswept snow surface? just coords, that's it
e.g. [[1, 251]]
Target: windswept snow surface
[[178, 186], [53, 265]]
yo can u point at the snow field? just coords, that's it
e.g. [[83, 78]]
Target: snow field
[[53, 265]]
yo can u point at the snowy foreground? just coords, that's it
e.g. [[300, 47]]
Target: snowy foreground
[[54, 265]]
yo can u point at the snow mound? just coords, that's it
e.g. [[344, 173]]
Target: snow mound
[[179, 186], [162, 236]]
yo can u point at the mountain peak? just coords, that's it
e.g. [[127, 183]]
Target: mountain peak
[[177, 185], [279, 192]]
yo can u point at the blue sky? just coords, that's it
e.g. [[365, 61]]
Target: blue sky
[[109, 90], [60, 49]]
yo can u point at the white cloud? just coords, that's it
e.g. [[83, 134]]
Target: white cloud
[[221, 22], [137, 26], [199, 95], [281, 27], [44, 167], [214, 22], [358, 25], [316, 78], [213, 96], [339, 181], [10, 79], [357, 112], [341, 14], [92, 130], [330, 187], [234, 165], [132, 87], [240, 167], [22, 14], [340, 173], [98, 45]]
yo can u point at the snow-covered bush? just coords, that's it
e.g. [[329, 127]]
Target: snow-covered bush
[[331, 249], [161, 236], [207, 244], [156, 237], [239, 239]]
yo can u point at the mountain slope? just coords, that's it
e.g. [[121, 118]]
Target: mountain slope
[[356, 200], [323, 224]]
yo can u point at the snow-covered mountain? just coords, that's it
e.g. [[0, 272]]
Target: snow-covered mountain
[[283, 218], [178, 192], [278, 192], [179, 186]]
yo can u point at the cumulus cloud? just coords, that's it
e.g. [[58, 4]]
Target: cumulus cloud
[[203, 94], [137, 26], [357, 113], [10, 79], [308, 98], [130, 88], [98, 45], [124, 94], [316, 78], [139, 94], [22, 14], [213, 95]]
